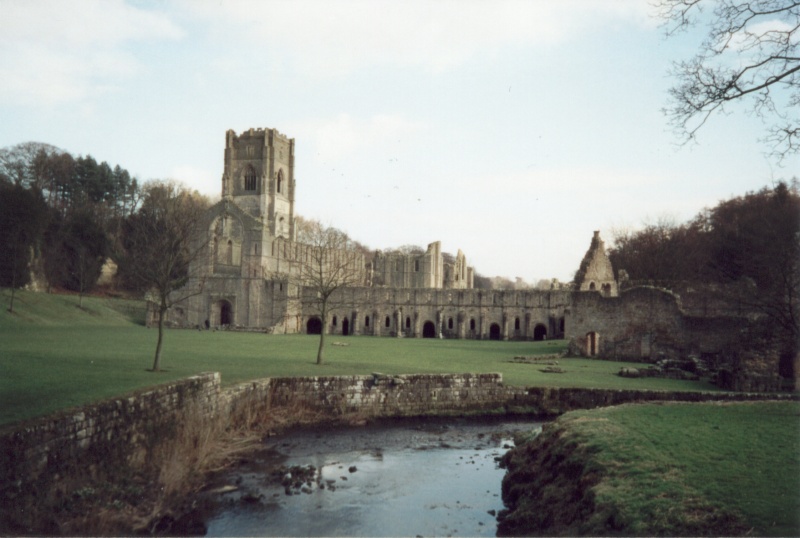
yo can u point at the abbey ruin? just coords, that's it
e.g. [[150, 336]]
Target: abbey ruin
[[246, 283]]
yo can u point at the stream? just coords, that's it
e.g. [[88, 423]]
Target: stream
[[431, 477]]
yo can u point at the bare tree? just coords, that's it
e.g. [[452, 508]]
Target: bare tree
[[159, 244], [328, 262], [750, 54]]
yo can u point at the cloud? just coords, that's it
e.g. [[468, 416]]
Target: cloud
[[54, 52], [331, 38]]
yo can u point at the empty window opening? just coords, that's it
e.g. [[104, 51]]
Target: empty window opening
[[408, 322], [471, 324], [591, 286], [516, 324], [345, 327], [388, 321], [280, 180], [366, 321], [335, 321], [250, 179], [450, 323]]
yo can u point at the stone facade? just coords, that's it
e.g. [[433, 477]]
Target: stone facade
[[245, 286]]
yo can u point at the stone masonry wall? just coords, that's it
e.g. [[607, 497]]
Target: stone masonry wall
[[120, 431], [115, 431]]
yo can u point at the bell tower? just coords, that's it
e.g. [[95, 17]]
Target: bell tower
[[259, 177]]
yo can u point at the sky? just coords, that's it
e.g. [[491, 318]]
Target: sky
[[508, 129]]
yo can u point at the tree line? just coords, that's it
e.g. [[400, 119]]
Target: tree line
[[746, 247], [62, 217]]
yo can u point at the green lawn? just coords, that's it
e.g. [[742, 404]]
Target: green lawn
[[665, 466], [55, 355]]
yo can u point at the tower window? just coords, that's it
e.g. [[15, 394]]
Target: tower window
[[280, 180], [250, 179]]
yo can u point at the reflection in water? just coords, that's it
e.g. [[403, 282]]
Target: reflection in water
[[431, 478]]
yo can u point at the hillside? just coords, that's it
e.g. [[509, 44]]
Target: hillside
[[47, 309]]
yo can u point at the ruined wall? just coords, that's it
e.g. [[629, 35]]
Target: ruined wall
[[119, 431], [595, 272], [472, 314], [640, 324]]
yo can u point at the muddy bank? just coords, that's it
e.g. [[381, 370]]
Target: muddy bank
[[554, 481]]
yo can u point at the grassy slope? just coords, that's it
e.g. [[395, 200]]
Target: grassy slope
[[55, 355], [665, 467]]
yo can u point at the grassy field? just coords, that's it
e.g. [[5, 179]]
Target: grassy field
[[665, 466], [54, 355]]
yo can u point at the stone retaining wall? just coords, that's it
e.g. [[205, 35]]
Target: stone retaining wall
[[117, 431], [120, 431]]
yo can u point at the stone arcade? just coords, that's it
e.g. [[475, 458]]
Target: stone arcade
[[253, 237]]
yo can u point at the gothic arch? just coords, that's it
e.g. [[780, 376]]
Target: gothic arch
[[250, 182], [540, 332], [314, 326], [494, 332], [429, 330]]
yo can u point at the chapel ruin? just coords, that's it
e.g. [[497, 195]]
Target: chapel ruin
[[244, 284]]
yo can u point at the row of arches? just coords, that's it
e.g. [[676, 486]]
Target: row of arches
[[314, 326]]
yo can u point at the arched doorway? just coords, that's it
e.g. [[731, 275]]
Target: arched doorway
[[225, 313], [494, 332], [345, 327], [314, 326], [592, 343], [540, 332], [429, 330]]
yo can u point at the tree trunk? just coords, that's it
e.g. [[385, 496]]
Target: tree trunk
[[161, 311], [324, 316]]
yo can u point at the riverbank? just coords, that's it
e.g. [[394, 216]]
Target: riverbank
[[659, 469], [125, 461]]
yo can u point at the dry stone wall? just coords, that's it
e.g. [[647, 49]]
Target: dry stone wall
[[121, 431]]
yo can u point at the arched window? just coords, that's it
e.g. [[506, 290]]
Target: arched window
[[334, 321], [229, 253], [450, 323], [280, 180], [591, 286], [408, 322], [366, 321], [472, 324], [388, 321], [416, 266], [516, 324], [250, 178]]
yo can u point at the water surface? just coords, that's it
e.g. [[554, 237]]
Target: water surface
[[409, 478]]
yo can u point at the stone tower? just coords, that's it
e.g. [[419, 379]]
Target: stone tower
[[259, 177]]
